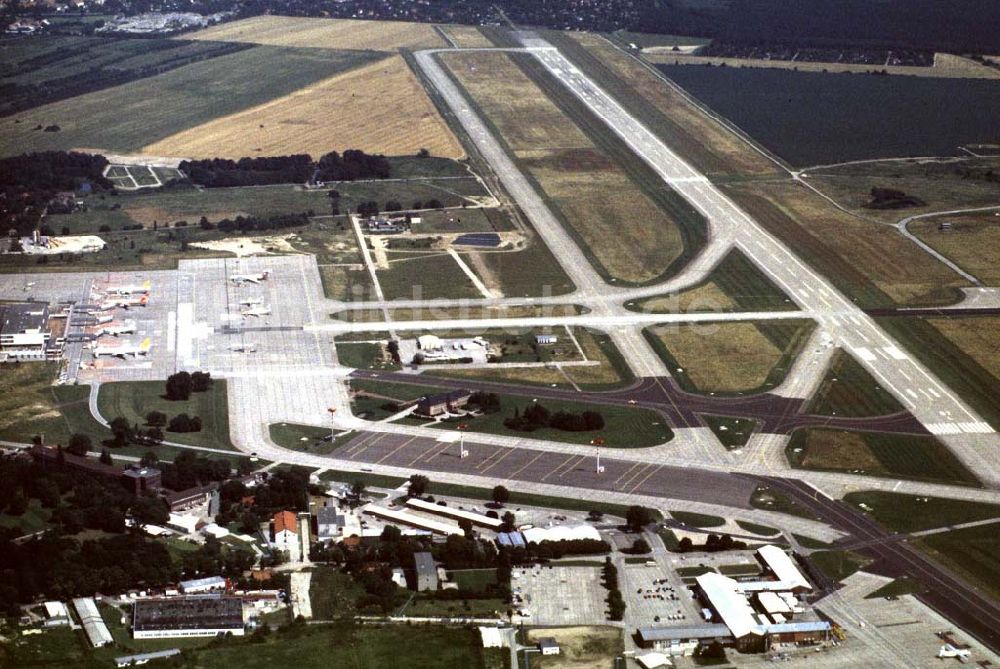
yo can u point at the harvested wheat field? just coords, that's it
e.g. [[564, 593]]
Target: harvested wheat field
[[379, 108], [324, 33]]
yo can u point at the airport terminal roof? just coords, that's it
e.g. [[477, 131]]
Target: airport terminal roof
[[783, 567], [731, 606], [716, 631]]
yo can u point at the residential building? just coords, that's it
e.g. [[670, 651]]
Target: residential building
[[333, 524], [285, 531]]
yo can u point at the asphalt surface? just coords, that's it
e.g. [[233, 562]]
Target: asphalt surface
[[776, 414]]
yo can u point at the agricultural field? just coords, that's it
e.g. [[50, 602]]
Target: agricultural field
[[848, 389], [815, 118], [868, 261], [362, 108], [324, 33], [898, 456], [973, 242], [610, 372], [132, 400], [896, 511], [124, 119], [731, 357], [46, 68], [631, 235], [663, 108]]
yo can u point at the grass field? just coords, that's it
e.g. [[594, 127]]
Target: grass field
[[973, 243], [870, 262], [848, 389], [630, 234], [30, 405], [904, 456], [466, 37], [729, 357], [838, 565], [785, 110], [754, 528], [897, 588], [977, 337], [324, 33], [345, 111], [332, 593], [768, 499], [955, 367], [132, 400], [697, 519], [532, 271], [430, 647], [972, 552], [579, 647], [426, 277], [126, 118], [911, 513], [732, 432]]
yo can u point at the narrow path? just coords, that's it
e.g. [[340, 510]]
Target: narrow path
[[903, 228]]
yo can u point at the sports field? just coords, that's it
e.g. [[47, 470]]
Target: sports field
[[623, 229], [324, 33], [379, 108], [126, 118]]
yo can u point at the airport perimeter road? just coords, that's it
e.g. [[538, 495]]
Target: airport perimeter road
[[972, 439]]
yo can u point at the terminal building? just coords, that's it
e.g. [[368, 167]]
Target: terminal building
[[750, 615], [193, 616], [24, 331]]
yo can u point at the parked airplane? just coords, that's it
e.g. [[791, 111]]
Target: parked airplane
[[130, 290], [240, 279], [125, 302], [104, 318], [251, 303], [124, 351], [244, 348], [257, 311], [127, 327]]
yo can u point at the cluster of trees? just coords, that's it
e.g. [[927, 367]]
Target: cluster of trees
[[352, 165], [182, 384], [487, 403], [221, 172], [616, 603], [30, 181], [125, 433], [536, 416], [287, 489], [890, 198], [257, 223], [714, 543], [189, 470], [179, 423], [638, 517], [370, 207]]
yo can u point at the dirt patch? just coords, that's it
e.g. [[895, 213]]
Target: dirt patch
[[346, 111], [248, 246]]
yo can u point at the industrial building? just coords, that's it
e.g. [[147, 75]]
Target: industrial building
[[383, 225], [412, 520], [427, 576], [751, 615], [24, 331], [93, 624], [454, 512], [189, 616], [200, 585]]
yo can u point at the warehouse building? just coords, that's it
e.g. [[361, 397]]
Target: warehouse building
[[93, 624], [24, 331], [455, 512], [189, 616], [201, 585]]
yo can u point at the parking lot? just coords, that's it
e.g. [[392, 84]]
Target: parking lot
[[557, 595], [656, 596]]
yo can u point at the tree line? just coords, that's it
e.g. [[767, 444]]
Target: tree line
[[352, 165], [536, 416]]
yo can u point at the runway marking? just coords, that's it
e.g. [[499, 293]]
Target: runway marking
[[507, 452], [864, 354], [527, 464], [895, 353], [395, 450], [560, 466], [645, 478]]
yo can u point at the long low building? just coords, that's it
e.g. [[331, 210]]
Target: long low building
[[456, 513], [93, 624], [194, 616], [412, 520]]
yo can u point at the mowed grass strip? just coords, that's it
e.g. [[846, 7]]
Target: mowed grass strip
[[132, 400], [973, 242], [921, 458], [324, 33], [972, 552], [913, 513], [353, 110], [733, 357], [128, 117], [629, 235], [849, 390]]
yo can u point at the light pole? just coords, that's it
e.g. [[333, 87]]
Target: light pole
[[597, 443], [462, 453]]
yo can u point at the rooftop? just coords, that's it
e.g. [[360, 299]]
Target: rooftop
[[20, 317], [424, 562], [782, 566], [684, 633], [285, 520], [175, 613]]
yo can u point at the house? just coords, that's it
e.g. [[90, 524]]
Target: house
[[442, 403], [185, 499], [491, 637], [24, 331], [56, 614], [285, 531], [548, 645], [381, 225], [333, 524], [427, 578]]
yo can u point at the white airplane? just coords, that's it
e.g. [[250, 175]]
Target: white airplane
[[104, 318], [127, 327], [130, 290], [240, 279], [126, 302], [257, 311], [948, 650], [251, 303], [124, 351]]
